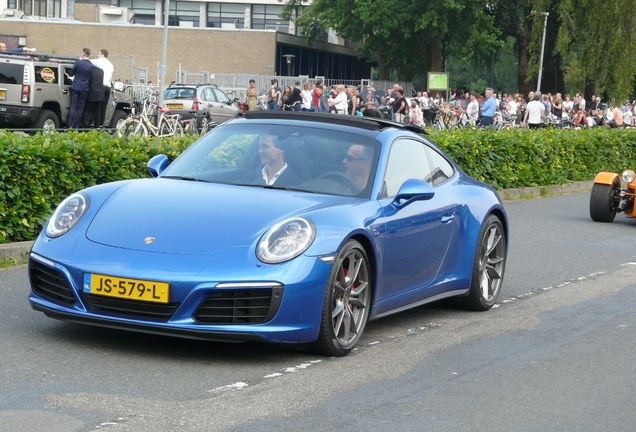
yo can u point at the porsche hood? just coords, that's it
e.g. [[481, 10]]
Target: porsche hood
[[184, 217]]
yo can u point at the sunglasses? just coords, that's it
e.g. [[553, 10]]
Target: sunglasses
[[350, 158]]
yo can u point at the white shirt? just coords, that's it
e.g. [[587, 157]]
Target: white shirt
[[472, 110], [568, 105], [341, 101], [307, 99], [535, 112], [104, 64], [424, 103], [627, 118], [582, 103], [275, 177], [512, 107]]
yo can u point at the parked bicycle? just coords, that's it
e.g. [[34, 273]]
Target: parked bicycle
[[146, 123], [199, 124]]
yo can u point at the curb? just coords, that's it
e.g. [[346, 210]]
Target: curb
[[17, 253]]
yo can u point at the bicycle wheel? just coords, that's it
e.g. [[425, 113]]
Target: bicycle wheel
[[170, 126], [131, 127]]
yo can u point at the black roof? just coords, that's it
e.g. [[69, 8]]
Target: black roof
[[370, 123]]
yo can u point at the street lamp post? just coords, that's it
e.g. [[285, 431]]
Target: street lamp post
[[164, 48], [545, 26]]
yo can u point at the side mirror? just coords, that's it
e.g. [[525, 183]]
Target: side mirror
[[157, 164], [413, 190]]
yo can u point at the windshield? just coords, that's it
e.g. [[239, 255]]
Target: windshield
[[287, 157]]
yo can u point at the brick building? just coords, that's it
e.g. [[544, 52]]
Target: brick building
[[242, 36]]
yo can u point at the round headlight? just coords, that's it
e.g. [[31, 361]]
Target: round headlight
[[286, 240], [628, 176], [67, 214]]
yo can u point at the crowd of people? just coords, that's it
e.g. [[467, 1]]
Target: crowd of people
[[538, 110], [337, 99], [535, 110]]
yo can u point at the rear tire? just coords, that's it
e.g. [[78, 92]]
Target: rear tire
[[47, 121], [489, 265], [602, 201]]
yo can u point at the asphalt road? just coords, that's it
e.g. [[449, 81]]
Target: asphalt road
[[555, 355]]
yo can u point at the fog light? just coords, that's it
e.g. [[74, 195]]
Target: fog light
[[628, 176]]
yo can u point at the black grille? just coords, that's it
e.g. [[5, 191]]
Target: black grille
[[249, 306], [50, 283], [131, 308]]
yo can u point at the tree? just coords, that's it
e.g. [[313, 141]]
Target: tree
[[409, 37], [601, 38]]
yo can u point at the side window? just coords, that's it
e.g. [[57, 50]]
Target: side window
[[407, 159], [67, 79], [207, 94], [220, 96], [441, 169], [413, 159], [46, 74]]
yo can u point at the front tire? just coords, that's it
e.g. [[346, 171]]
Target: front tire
[[118, 116], [347, 301], [489, 265], [602, 201]]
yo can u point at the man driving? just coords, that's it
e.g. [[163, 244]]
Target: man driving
[[357, 164]]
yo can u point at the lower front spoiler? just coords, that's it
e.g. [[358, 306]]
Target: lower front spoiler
[[145, 328]]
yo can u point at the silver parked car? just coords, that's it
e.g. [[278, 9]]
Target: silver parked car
[[206, 99]]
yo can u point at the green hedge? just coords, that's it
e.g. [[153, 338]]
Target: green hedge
[[37, 172]]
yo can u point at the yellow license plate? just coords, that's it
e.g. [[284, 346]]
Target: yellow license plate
[[2, 94], [132, 289], [175, 106]]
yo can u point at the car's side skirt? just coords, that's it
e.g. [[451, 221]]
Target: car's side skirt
[[434, 298]]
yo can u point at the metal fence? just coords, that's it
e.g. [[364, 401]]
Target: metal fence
[[236, 84]]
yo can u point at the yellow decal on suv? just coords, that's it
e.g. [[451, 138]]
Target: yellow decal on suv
[[47, 74]]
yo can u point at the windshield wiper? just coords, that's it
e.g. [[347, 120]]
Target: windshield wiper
[[291, 189], [186, 178]]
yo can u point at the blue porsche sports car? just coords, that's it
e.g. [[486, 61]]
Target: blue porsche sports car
[[277, 227]]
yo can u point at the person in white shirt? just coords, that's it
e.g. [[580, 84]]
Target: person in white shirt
[[512, 106], [340, 101], [307, 97], [535, 113], [567, 106], [104, 64], [473, 109], [627, 116]]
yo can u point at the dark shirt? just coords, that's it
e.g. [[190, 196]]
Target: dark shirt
[[96, 85], [398, 103], [81, 70], [371, 112], [295, 96]]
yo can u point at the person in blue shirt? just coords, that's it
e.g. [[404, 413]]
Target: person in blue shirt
[[488, 109], [81, 71], [18, 50]]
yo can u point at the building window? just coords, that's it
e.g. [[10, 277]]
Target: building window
[[12, 4], [226, 15], [184, 14], [144, 10], [268, 17]]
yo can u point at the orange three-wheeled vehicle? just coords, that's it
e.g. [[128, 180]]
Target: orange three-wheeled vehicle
[[608, 197]]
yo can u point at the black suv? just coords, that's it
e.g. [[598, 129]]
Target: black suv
[[35, 93]]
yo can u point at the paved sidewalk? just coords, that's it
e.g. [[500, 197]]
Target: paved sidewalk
[[17, 253]]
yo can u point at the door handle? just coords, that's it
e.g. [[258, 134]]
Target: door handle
[[65, 91], [447, 218]]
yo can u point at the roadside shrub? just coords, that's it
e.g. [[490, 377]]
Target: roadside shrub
[[38, 172]]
